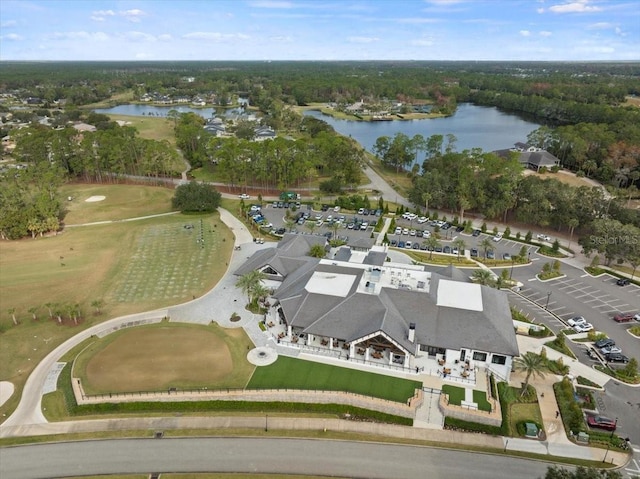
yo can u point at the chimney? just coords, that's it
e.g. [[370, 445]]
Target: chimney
[[412, 332]]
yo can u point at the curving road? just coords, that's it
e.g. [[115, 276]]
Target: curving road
[[259, 455]]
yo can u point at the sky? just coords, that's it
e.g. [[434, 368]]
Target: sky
[[484, 30]]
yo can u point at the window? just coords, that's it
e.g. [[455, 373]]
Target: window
[[498, 359], [478, 356]]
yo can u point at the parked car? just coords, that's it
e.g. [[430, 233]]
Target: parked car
[[576, 320], [622, 282], [583, 328], [506, 257], [459, 229], [401, 244], [542, 237], [415, 246], [392, 243], [423, 219], [497, 237], [476, 233], [244, 196], [623, 317], [604, 342], [474, 253], [601, 422], [491, 254], [447, 249], [617, 358], [610, 350]]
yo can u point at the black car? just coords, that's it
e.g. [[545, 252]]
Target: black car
[[394, 243], [280, 231], [476, 233], [622, 282], [604, 343], [474, 253], [447, 249], [415, 246], [459, 229], [617, 358]]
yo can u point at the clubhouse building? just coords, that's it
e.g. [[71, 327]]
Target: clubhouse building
[[359, 307]]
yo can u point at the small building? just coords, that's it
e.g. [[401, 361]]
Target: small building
[[530, 157]]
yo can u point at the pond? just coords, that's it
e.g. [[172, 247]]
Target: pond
[[473, 126]]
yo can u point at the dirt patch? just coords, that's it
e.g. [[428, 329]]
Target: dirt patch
[[95, 199], [157, 359]]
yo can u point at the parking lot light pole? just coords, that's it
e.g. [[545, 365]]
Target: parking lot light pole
[[615, 426], [546, 306], [511, 272]]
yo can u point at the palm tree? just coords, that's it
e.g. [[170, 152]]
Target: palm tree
[[249, 282], [317, 251], [288, 222], [97, 304], [486, 245], [50, 307], [533, 365], [33, 310], [460, 244], [311, 226], [483, 276], [432, 243], [12, 312]]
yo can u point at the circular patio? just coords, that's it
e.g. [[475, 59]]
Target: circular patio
[[262, 356]]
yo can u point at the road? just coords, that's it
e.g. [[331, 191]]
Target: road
[[260, 456]]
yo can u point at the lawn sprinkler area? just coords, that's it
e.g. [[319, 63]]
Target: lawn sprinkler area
[[169, 261], [163, 356]]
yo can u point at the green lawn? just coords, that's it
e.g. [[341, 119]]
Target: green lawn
[[298, 374], [480, 398], [456, 394]]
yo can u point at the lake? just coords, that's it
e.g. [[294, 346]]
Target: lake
[[474, 126]]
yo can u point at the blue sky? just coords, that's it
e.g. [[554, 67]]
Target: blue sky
[[571, 30]]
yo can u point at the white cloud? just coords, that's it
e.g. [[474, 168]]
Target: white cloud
[[416, 20], [577, 6], [540, 10], [421, 42], [525, 33], [444, 2], [600, 26], [79, 35], [271, 4], [8, 24], [139, 37], [362, 39], [281, 39], [545, 33], [165, 37], [13, 37], [215, 36], [132, 15]]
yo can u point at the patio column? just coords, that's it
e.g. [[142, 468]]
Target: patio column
[[352, 350], [366, 354], [289, 331], [330, 343], [406, 360]]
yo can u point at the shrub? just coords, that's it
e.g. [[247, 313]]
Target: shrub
[[571, 412], [466, 426]]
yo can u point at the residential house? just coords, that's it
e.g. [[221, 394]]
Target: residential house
[[530, 156]]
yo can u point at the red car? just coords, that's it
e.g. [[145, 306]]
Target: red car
[[623, 318], [602, 422]]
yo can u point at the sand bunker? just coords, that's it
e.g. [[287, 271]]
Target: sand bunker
[[6, 391], [95, 198]]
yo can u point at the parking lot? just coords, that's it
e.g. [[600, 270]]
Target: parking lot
[[328, 221]]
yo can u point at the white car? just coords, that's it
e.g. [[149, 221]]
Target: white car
[[423, 219], [412, 232], [244, 196], [610, 349], [398, 230], [497, 237], [542, 237], [578, 320], [336, 209], [426, 234], [583, 328], [405, 231]]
